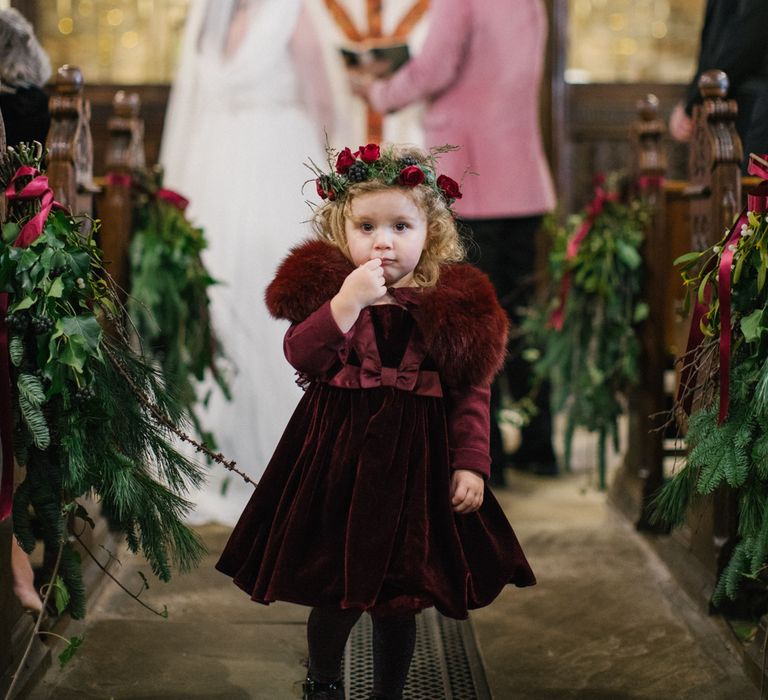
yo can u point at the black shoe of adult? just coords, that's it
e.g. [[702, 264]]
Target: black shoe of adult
[[314, 690]]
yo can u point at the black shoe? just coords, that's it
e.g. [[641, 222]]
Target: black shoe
[[314, 690]]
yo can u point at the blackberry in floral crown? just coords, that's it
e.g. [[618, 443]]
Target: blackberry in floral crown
[[397, 166]]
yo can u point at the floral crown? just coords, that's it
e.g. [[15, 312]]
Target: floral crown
[[398, 167]]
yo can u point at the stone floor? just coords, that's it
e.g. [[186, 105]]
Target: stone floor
[[605, 622]]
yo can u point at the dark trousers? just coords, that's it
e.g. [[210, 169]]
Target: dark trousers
[[505, 249]]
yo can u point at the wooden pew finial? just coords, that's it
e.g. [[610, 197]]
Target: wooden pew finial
[[714, 84], [70, 159], [126, 104], [648, 107], [69, 80], [714, 161]]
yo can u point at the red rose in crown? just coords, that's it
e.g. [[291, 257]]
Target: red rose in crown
[[370, 153], [344, 161], [411, 176], [449, 187]]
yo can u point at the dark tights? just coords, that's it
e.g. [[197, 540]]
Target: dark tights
[[394, 639]]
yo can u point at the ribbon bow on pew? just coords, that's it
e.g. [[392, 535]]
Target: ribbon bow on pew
[[757, 201]]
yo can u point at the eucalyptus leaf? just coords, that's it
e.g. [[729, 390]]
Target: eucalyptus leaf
[[687, 258]]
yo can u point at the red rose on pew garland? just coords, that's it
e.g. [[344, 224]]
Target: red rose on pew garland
[[593, 210], [173, 198], [584, 339]]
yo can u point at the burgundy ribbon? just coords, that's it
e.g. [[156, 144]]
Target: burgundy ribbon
[[646, 182], [173, 198], [119, 179], [757, 201], [594, 208], [36, 188], [408, 376]]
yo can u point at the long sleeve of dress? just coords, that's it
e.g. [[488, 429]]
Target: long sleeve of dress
[[312, 346], [436, 66], [469, 428]]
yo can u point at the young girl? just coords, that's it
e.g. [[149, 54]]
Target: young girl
[[374, 500]]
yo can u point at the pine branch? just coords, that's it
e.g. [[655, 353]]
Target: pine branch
[[163, 420]]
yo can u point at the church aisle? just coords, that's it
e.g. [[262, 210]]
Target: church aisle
[[605, 622]]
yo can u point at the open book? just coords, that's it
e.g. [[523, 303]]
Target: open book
[[376, 57]]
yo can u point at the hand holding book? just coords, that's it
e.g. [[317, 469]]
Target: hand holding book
[[378, 58]]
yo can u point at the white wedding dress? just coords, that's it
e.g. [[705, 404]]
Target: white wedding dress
[[236, 137]]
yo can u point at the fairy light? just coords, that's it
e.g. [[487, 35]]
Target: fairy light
[[66, 25], [115, 17]]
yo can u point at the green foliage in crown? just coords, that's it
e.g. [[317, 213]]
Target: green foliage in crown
[[401, 167], [732, 454], [90, 416], [591, 354]]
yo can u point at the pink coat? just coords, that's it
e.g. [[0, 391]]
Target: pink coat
[[479, 71]]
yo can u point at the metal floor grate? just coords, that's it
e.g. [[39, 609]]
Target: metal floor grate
[[446, 664]]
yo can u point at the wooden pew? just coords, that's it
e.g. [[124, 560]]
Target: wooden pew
[[689, 215], [70, 167], [641, 474], [125, 155]]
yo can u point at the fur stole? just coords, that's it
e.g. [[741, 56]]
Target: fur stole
[[464, 327]]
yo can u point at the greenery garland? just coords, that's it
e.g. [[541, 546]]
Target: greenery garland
[[733, 453], [90, 416], [592, 358], [168, 302]]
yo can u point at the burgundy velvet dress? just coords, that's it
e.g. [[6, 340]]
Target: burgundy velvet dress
[[354, 507]]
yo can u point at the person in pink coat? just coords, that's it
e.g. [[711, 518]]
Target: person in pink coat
[[480, 71]]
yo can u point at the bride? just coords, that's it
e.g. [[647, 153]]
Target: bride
[[236, 135]]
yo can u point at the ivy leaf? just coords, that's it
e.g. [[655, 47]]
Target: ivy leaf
[[628, 255], [27, 260], [641, 312], [57, 288], [751, 326], [60, 595], [10, 231], [74, 354], [81, 337], [70, 650], [25, 303]]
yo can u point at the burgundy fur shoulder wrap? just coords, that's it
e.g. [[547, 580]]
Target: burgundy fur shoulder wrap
[[464, 327]]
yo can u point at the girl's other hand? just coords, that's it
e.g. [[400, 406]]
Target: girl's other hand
[[362, 287], [467, 489]]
